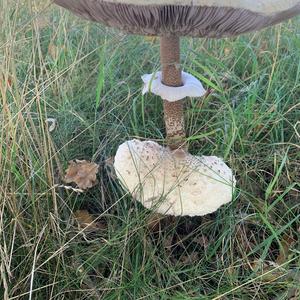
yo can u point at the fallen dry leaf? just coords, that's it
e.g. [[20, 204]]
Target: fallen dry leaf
[[269, 270], [85, 219], [154, 222], [190, 259], [202, 241], [83, 173], [286, 243]]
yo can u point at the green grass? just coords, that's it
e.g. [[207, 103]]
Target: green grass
[[54, 65]]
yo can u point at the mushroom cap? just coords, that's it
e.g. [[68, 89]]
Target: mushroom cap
[[198, 18], [173, 182]]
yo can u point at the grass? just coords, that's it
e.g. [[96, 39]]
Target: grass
[[87, 77]]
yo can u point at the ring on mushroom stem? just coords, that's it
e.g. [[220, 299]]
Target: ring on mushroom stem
[[170, 180]]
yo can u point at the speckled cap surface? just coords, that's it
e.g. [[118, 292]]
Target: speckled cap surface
[[173, 182]]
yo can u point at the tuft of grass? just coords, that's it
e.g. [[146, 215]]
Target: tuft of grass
[[87, 77]]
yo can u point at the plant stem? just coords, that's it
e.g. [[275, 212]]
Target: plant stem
[[171, 76]]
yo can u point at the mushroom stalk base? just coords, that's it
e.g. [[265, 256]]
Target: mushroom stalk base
[[171, 76]]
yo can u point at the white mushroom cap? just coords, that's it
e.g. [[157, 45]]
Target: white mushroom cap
[[173, 182]]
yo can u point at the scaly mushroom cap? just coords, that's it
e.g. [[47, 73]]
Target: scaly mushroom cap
[[199, 18], [173, 182]]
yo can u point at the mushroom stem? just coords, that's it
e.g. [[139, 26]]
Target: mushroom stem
[[171, 76]]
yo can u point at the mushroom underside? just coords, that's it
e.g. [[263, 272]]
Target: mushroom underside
[[173, 182], [180, 20]]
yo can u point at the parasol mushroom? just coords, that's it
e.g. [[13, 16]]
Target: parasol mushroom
[[169, 180]]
